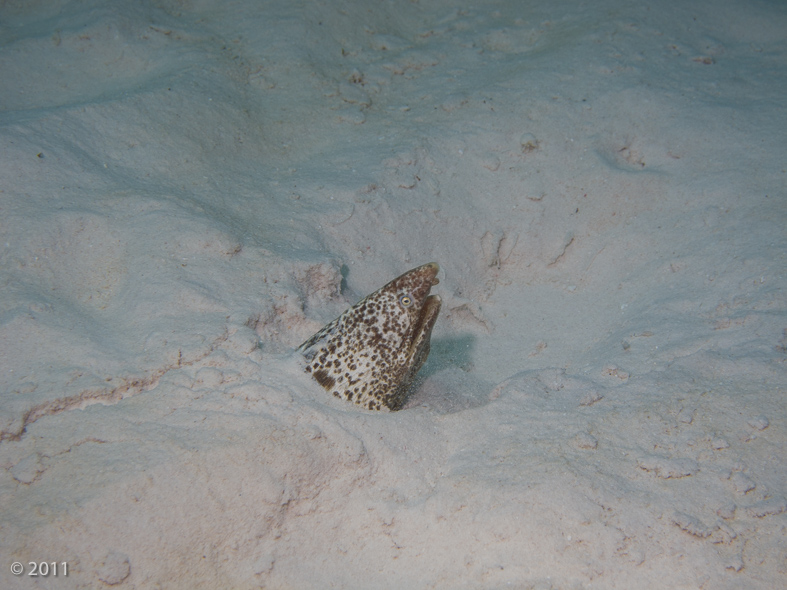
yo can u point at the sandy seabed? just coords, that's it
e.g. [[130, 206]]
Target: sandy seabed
[[190, 189]]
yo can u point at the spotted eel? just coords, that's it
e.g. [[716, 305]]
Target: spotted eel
[[371, 353]]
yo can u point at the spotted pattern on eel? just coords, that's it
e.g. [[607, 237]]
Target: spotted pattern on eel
[[371, 353]]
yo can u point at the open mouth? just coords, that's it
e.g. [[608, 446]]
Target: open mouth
[[426, 321]]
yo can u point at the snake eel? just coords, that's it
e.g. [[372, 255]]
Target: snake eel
[[371, 353]]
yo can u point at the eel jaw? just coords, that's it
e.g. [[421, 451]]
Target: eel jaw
[[417, 352], [420, 345]]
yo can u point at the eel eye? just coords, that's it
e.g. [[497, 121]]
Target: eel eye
[[406, 300]]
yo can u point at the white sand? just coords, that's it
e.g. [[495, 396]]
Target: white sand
[[188, 190]]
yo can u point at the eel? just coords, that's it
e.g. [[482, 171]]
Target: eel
[[371, 353]]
